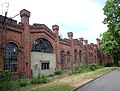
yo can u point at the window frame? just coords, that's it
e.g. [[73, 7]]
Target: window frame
[[11, 57], [75, 56], [42, 45], [80, 56], [45, 65]]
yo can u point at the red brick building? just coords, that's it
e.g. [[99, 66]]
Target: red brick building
[[35, 48]]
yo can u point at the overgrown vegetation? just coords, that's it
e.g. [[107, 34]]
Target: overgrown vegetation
[[39, 79], [68, 83], [82, 69], [5, 81], [7, 84], [58, 72], [109, 64], [22, 82]]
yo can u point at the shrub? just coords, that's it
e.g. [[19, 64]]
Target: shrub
[[40, 79], [92, 67], [82, 66], [80, 69], [51, 75], [34, 80], [43, 79], [58, 72], [100, 66], [75, 70], [22, 82], [108, 64], [5, 76], [6, 84], [70, 73]]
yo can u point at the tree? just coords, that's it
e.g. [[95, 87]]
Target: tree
[[111, 38]]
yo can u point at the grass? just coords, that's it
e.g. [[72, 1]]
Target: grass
[[97, 73], [55, 87], [67, 83]]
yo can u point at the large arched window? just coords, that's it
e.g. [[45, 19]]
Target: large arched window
[[80, 56], [62, 56], [42, 45], [75, 56], [68, 59], [10, 57]]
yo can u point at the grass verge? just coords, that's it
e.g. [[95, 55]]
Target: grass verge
[[97, 73], [55, 87], [67, 83]]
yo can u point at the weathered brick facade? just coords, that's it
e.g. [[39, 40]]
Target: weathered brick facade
[[23, 35]]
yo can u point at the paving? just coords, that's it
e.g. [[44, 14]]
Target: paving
[[107, 82]]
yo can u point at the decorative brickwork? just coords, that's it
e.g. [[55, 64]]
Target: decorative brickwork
[[24, 35]]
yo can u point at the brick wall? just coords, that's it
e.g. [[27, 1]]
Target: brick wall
[[23, 35]]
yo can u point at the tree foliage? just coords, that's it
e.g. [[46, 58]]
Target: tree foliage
[[111, 38]]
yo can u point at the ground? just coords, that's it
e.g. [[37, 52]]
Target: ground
[[107, 82], [66, 82]]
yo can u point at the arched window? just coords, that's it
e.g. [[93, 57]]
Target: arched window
[[68, 59], [75, 56], [80, 56], [42, 45], [62, 56], [10, 57]]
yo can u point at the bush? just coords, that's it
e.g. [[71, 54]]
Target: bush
[[70, 73], [43, 79], [108, 64], [92, 67], [100, 66], [5, 76], [34, 80], [80, 69], [75, 70], [51, 75], [6, 84], [39, 79], [22, 82], [58, 72]]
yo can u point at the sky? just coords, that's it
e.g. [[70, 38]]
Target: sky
[[82, 17]]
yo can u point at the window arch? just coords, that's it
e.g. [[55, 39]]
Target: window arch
[[68, 58], [75, 56], [62, 56], [10, 57], [42, 45], [80, 56]]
